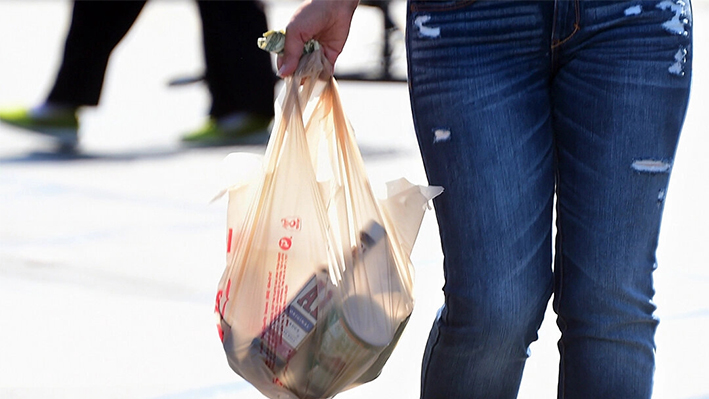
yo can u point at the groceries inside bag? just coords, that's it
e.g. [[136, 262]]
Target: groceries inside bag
[[318, 285]]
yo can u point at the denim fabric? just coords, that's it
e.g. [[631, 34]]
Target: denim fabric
[[518, 105]]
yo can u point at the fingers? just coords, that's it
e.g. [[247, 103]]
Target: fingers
[[326, 21], [298, 32], [288, 61]]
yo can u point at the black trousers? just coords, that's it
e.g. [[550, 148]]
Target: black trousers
[[239, 75]]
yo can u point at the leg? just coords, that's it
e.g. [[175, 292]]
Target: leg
[[239, 74], [479, 79], [96, 28], [620, 96]]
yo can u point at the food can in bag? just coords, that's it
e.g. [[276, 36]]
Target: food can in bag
[[353, 338]]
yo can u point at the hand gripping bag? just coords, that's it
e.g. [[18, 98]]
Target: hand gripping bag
[[318, 284]]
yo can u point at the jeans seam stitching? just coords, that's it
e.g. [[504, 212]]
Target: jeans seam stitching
[[577, 26], [559, 289], [428, 363]]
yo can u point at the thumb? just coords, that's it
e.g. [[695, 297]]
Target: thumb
[[292, 51]]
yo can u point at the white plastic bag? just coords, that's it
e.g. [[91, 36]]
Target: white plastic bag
[[318, 284]]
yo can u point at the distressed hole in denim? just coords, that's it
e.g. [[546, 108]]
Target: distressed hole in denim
[[651, 166], [634, 10], [677, 68], [661, 196], [426, 31], [678, 24], [441, 135]]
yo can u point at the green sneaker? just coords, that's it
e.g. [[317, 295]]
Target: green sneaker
[[237, 129], [58, 122]]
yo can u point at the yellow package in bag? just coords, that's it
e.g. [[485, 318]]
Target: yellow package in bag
[[318, 285]]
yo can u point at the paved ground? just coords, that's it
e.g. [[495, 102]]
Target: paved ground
[[109, 259]]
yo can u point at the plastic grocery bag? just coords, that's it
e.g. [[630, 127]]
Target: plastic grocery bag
[[318, 284]]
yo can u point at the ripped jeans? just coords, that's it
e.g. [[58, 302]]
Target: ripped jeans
[[519, 103]]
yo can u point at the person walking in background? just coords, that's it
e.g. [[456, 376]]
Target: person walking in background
[[239, 76], [516, 104]]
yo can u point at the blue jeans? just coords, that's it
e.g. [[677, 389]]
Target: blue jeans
[[519, 103]]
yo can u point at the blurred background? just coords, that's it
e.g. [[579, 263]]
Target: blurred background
[[110, 256]]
